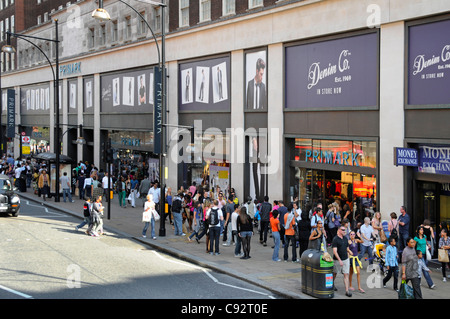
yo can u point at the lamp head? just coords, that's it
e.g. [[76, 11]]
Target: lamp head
[[100, 13], [8, 48]]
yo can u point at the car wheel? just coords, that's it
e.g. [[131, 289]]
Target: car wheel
[[16, 214]]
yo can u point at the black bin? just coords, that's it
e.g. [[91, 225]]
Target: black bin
[[317, 274]]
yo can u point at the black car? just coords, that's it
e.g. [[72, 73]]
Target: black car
[[9, 200]]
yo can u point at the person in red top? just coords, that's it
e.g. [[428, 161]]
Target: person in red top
[[289, 233], [275, 226]]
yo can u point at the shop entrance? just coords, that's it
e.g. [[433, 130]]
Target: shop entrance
[[432, 203], [356, 190]]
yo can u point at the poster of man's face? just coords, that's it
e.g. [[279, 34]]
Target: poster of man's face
[[186, 86], [116, 91], [202, 85], [255, 79], [128, 91], [220, 83]]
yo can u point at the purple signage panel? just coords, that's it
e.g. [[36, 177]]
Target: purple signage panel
[[434, 159], [340, 73], [429, 64]]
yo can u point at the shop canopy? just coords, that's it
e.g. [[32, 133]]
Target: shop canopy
[[51, 157]]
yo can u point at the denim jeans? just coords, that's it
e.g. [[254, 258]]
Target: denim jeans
[[367, 249], [86, 221], [178, 221], [66, 192], [290, 239], [147, 224], [214, 236], [276, 239]]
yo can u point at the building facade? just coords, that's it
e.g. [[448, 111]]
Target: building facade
[[291, 99]]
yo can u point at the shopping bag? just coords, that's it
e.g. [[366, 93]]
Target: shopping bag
[[405, 291], [155, 215], [443, 255]]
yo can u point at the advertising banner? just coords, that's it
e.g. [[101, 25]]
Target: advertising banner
[[429, 64], [335, 74], [204, 85], [130, 91]]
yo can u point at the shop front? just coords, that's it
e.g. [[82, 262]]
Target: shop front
[[204, 104], [324, 171], [428, 185], [427, 110], [133, 152]]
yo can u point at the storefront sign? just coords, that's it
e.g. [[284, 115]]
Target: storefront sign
[[70, 69], [11, 119], [405, 156], [340, 73], [429, 64], [26, 145], [330, 157], [434, 159], [157, 111]]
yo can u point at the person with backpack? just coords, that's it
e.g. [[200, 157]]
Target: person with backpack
[[214, 216], [177, 209], [87, 215]]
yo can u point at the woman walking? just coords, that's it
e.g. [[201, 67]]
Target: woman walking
[[244, 227], [148, 216], [355, 263], [43, 183], [444, 243]]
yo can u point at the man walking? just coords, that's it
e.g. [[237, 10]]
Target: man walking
[[214, 216], [340, 255], [403, 229], [265, 210], [65, 185]]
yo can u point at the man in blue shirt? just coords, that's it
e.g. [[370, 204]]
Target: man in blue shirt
[[403, 229], [391, 263]]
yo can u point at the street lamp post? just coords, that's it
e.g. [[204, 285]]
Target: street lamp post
[[102, 15], [10, 49]]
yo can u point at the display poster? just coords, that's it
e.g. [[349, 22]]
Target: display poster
[[333, 74], [204, 85], [128, 91], [429, 64]]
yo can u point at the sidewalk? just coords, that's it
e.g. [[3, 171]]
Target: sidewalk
[[282, 278]]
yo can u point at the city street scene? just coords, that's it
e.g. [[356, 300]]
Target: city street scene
[[230, 156]]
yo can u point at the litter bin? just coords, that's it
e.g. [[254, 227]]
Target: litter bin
[[317, 274]]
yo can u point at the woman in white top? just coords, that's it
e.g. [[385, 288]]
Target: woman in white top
[[148, 216]]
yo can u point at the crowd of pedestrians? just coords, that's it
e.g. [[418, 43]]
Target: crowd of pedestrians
[[218, 217]]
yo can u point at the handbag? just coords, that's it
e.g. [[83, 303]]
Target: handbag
[[383, 237], [443, 255]]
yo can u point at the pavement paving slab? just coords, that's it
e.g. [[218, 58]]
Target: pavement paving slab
[[282, 278]]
